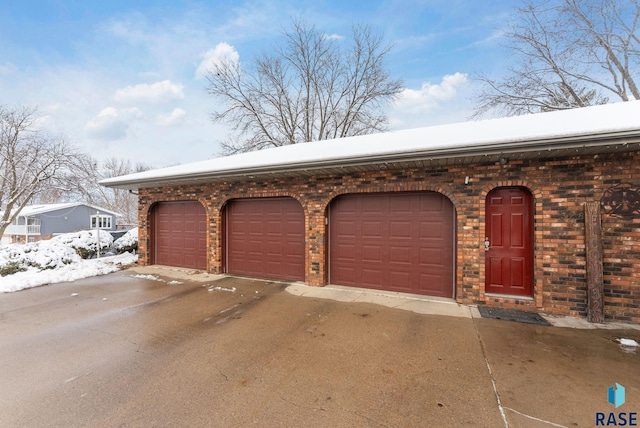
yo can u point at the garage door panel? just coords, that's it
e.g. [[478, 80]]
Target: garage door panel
[[345, 229], [372, 277], [400, 255], [431, 282], [372, 253], [346, 272], [372, 206], [238, 227], [371, 230], [401, 206], [432, 256], [256, 227], [400, 229], [412, 234], [346, 252], [265, 238], [294, 236], [274, 228], [400, 281], [272, 268], [294, 251], [432, 229], [272, 251], [179, 234]]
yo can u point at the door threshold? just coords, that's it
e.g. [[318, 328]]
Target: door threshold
[[508, 296]]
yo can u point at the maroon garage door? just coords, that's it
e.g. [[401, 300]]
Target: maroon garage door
[[398, 242], [180, 234], [265, 238]]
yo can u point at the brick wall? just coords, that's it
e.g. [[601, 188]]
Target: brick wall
[[560, 187]]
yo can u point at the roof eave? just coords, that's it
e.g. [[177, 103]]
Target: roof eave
[[603, 142]]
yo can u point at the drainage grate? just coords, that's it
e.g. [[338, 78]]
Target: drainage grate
[[512, 315]]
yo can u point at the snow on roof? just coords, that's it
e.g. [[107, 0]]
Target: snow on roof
[[31, 210], [521, 132]]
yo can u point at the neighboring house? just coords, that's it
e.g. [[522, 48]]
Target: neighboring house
[[37, 222], [537, 212]]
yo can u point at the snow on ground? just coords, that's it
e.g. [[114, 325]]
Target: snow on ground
[[57, 260], [34, 277], [156, 278], [628, 342], [230, 290], [149, 277]]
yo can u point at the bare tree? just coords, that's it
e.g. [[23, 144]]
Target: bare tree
[[31, 162], [313, 87], [79, 182], [88, 172], [567, 54]]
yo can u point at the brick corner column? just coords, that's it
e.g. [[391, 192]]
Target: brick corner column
[[316, 250], [144, 226]]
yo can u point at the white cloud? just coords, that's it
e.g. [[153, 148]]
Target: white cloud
[[152, 93], [333, 37], [431, 96], [176, 117], [432, 104], [223, 53], [112, 123]]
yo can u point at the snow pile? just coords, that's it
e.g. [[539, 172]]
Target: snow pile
[[628, 342], [629, 346], [39, 255], [128, 242], [57, 260], [84, 242]]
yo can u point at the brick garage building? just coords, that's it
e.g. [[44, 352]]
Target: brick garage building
[[538, 212]]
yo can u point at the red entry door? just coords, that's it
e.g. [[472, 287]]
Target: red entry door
[[509, 242]]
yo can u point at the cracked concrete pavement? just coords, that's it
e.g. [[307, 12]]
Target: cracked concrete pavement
[[183, 348]]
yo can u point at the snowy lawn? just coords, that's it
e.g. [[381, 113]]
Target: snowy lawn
[[63, 258]]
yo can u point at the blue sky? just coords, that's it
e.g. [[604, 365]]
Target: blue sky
[[119, 78]]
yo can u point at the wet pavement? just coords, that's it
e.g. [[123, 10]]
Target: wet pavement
[[174, 349]]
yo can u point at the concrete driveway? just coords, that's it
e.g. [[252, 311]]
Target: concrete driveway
[[130, 350]]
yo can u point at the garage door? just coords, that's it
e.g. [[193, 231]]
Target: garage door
[[265, 238], [180, 234], [398, 242]]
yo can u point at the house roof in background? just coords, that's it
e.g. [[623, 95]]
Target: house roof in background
[[32, 210], [590, 130]]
